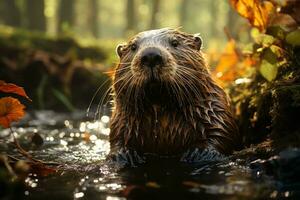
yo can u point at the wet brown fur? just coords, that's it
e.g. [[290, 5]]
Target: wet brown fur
[[180, 110]]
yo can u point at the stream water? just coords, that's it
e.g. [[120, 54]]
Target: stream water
[[80, 145]]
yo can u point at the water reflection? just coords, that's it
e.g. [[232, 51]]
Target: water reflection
[[81, 146]]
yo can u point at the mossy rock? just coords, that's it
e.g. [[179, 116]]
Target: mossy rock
[[285, 115]]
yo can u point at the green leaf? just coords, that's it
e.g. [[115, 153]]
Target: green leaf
[[248, 48], [62, 98], [263, 39], [40, 91], [254, 33], [276, 31], [268, 70], [277, 50], [267, 40], [293, 38], [269, 56]]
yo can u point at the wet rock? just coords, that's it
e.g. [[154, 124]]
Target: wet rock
[[284, 166], [37, 139]]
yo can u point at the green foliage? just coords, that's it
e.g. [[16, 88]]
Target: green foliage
[[268, 70], [293, 38], [61, 45], [272, 49], [63, 99]]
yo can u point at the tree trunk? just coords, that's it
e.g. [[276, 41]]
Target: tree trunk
[[10, 13], [93, 17], [155, 10], [233, 23], [35, 14], [183, 13], [131, 17], [213, 9], [65, 15]]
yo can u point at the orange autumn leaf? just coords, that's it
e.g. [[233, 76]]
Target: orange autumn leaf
[[225, 69], [12, 88], [257, 12], [10, 110]]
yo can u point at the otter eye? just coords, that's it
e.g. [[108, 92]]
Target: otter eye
[[174, 42], [133, 47]]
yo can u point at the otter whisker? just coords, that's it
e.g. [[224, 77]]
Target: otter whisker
[[117, 70], [191, 84], [100, 104], [94, 95], [176, 92], [102, 100], [184, 84], [127, 81], [122, 63]]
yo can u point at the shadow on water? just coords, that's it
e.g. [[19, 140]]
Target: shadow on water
[[80, 145]]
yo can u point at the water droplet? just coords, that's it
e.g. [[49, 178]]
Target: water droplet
[[93, 137], [287, 194], [78, 195], [105, 119]]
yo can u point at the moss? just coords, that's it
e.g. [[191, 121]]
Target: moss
[[285, 115], [55, 72], [271, 109]]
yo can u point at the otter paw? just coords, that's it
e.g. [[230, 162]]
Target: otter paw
[[202, 155], [127, 158]]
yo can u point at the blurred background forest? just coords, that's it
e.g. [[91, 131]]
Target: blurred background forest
[[120, 18], [51, 47], [62, 52]]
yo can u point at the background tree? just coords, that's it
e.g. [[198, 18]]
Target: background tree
[[130, 16], [93, 17], [183, 13], [35, 15], [154, 14], [65, 15], [10, 13]]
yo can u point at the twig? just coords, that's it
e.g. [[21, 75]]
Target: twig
[[46, 163], [8, 167], [23, 151]]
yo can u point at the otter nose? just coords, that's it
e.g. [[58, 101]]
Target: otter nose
[[151, 57]]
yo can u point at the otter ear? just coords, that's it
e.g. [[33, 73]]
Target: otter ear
[[198, 41], [119, 49]]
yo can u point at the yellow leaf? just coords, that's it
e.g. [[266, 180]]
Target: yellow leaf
[[257, 12], [225, 69]]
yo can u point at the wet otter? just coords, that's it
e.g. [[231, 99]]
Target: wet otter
[[165, 101]]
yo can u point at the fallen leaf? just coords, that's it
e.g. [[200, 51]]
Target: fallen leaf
[[131, 189], [257, 12], [42, 169], [12, 88], [152, 185], [10, 110], [191, 184]]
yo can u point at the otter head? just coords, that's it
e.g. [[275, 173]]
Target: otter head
[[158, 64]]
